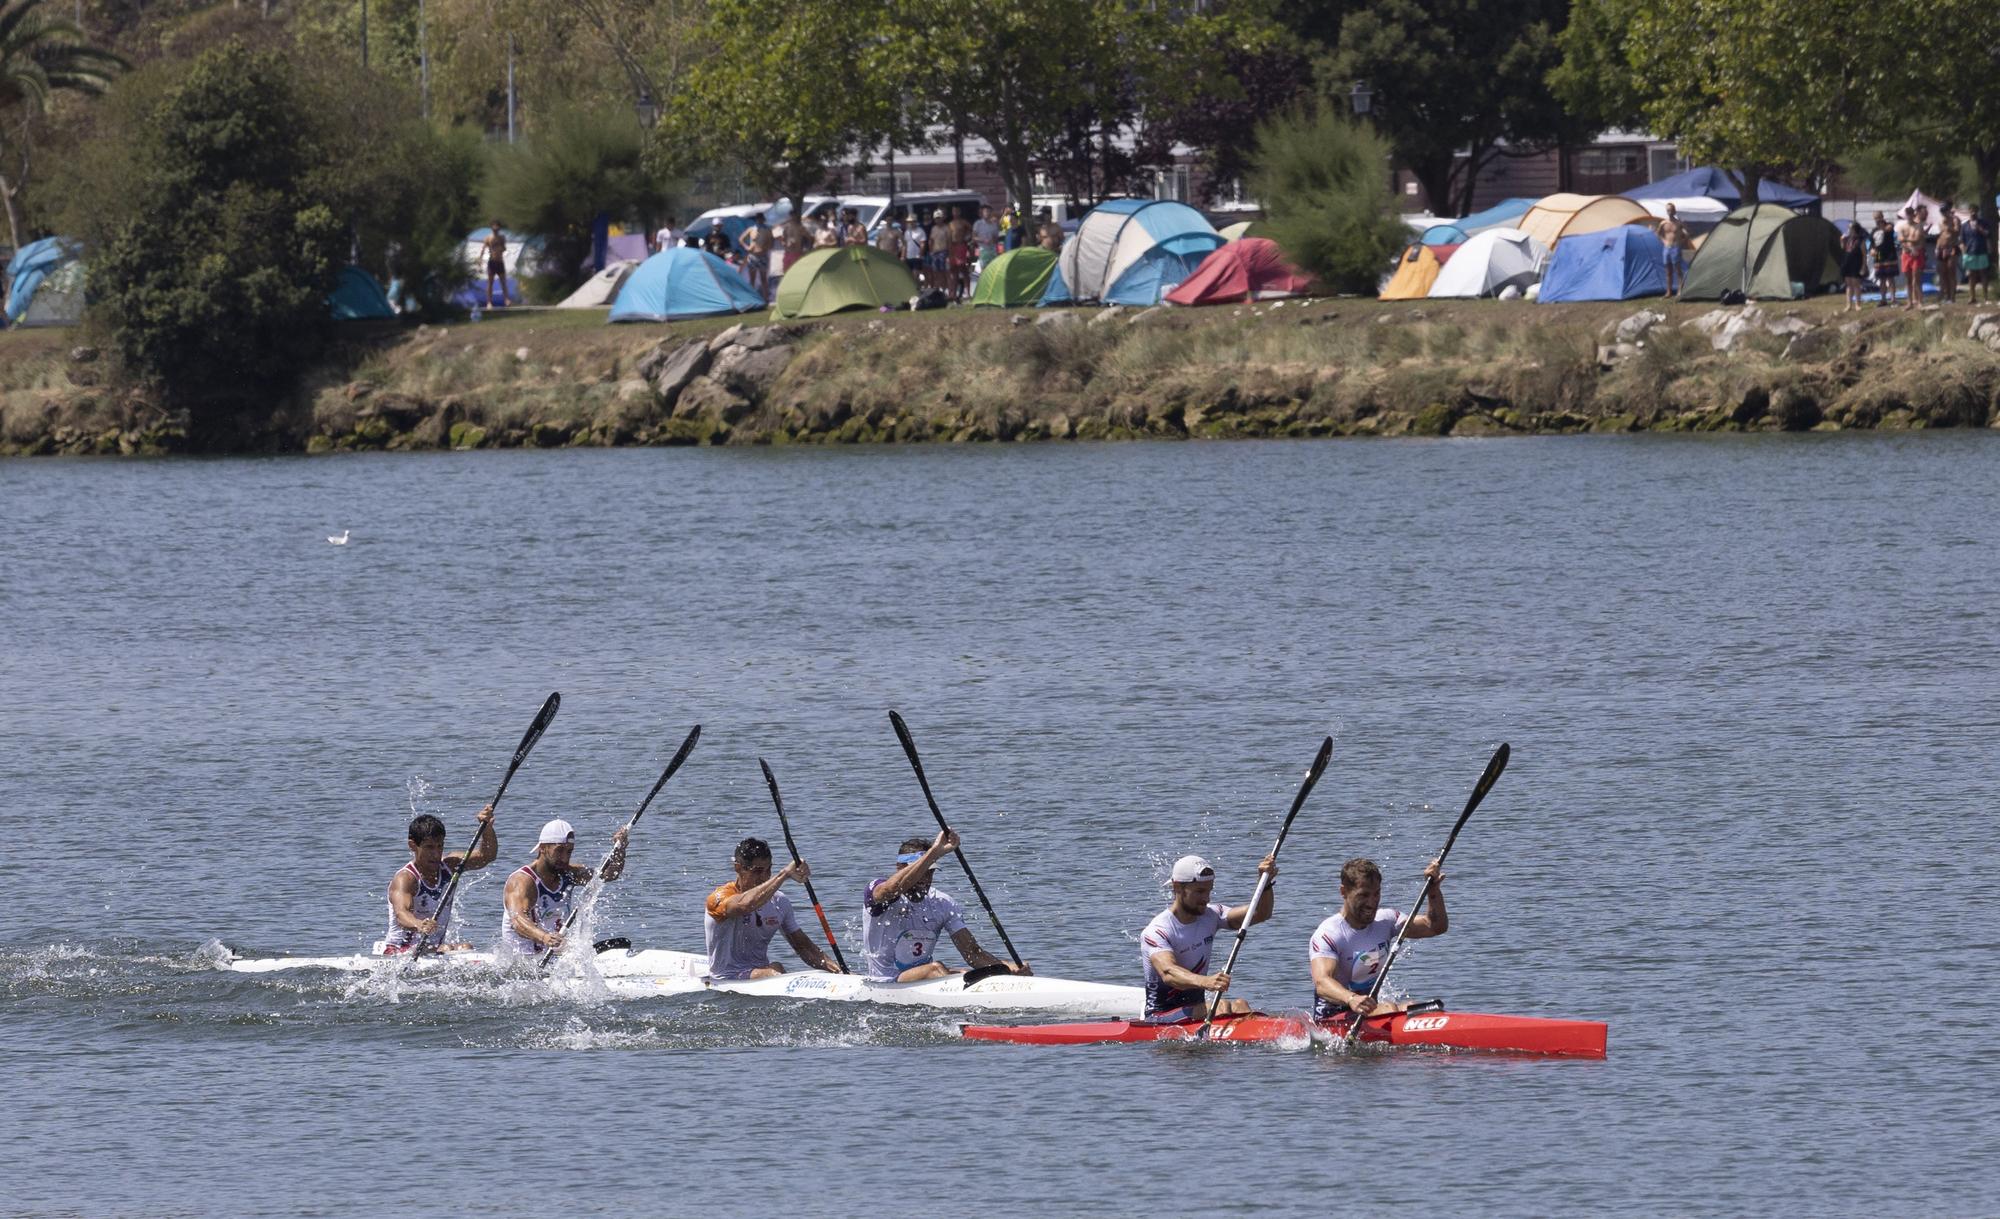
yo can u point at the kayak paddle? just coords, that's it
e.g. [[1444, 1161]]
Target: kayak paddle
[[528, 739], [793, 847], [1479, 790], [917, 764], [1313, 773], [680, 755]]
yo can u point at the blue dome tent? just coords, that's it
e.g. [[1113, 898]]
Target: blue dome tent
[[680, 283], [1610, 265], [1135, 251]]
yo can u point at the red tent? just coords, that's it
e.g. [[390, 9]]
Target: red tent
[[1248, 268]]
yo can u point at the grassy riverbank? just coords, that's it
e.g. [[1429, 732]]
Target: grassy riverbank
[[1320, 368]]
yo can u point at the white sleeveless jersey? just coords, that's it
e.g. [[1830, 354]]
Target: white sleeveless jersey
[[1190, 943], [424, 904], [547, 911]]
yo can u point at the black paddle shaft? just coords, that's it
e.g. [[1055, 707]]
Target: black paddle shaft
[[785, 826], [1313, 773], [1479, 790], [680, 756], [917, 764], [528, 739]]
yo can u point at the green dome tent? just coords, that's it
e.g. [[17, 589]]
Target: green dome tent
[[1761, 251], [1016, 279], [851, 277]]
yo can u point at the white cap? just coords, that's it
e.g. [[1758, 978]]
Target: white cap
[[1192, 867], [555, 833]]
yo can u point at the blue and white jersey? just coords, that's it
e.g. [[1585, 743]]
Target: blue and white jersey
[[1191, 944], [1357, 953], [424, 905], [901, 934], [549, 909]]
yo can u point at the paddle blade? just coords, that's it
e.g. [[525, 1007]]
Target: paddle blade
[[974, 977], [615, 942], [536, 729], [1479, 790]]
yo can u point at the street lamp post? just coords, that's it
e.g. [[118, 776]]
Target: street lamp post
[[1361, 97], [649, 110]]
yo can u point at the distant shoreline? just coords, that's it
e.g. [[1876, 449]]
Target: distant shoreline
[[1339, 367]]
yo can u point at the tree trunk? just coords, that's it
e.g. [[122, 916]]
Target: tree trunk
[[1434, 176], [1986, 167], [7, 192]]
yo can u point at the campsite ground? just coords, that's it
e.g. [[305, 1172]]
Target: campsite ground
[[1324, 367]]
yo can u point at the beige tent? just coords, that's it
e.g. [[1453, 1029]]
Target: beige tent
[[600, 289], [1565, 215]]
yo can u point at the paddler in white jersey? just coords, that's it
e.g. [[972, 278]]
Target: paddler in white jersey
[[1178, 944], [538, 892], [903, 919], [419, 885], [739, 918], [1348, 949]]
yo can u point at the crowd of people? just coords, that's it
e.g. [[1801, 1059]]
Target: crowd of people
[[944, 249], [1956, 249]]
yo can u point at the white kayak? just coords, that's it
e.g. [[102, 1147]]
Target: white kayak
[[642, 973]]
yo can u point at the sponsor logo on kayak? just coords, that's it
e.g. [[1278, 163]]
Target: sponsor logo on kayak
[[1425, 1024]]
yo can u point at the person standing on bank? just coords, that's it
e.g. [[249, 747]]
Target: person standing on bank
[[1348, 950], [495, 250], [538, 893], [1674, 236]]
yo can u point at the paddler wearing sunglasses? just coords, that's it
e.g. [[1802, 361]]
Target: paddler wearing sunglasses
[[1177, 944], [903, 919]]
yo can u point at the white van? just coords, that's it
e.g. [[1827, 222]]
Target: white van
[[872, 210]]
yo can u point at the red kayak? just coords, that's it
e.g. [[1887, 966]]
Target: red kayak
[[1455, 1030]]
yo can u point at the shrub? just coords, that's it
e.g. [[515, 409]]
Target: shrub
[[1324, 180], [580, 164]]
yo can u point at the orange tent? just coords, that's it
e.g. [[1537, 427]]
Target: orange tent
[[1249, 268], [1416, 271]]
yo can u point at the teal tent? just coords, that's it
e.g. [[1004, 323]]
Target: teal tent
[[357, 297]]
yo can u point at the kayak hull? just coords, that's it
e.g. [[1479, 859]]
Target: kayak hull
[[657, 972], [1443, 1029]]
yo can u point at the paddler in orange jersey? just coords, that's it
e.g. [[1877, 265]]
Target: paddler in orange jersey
[[1349, 949], [1176, 946], [739, 918], [418, 886], [538, 893]]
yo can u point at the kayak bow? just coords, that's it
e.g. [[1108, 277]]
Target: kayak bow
[[1446, 1029]]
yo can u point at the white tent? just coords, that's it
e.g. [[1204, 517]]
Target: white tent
[[600, 289], [1936, 207], [1491, 262], [1699, 212]]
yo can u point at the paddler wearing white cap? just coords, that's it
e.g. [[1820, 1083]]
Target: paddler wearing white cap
[[538, 892], [1176, 944]]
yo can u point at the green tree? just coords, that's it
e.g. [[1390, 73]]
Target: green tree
[[41, 54], [1780, 87], [788, 99], [1450, 77], [1324, 182], [214, 262], [578, 164], [1953, 108], [1033, 76]]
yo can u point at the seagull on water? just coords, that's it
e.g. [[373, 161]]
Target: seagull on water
[[342, 539]]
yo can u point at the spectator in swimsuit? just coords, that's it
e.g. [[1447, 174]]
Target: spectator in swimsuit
[[1854, 262], [1673, 235], [757, 257], [1947, 255], [1976, 257], [797, 240], [495, 247], [1885, 261], [1910, 241]]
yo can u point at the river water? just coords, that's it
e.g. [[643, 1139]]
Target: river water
[[1748, 683]]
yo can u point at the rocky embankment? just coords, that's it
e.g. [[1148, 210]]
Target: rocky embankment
[[1324, 368]]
